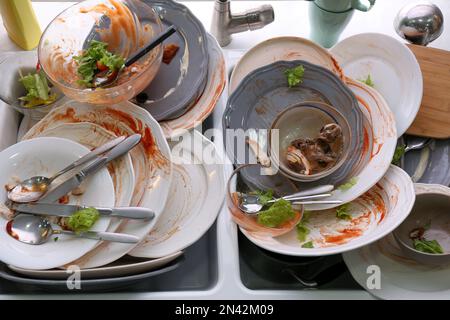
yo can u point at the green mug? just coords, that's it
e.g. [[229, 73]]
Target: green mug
[[328, 18]]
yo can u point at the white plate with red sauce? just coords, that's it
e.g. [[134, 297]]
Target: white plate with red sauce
[[151, 160], [373, 215], [44, 157], [197, 191]]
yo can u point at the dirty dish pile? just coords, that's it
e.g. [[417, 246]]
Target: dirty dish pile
[[261, 93]]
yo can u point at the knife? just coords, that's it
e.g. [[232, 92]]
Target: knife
[[72, 183], [66, 210]]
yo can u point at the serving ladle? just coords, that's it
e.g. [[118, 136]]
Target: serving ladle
[[36, 230], [33, 189], [106, 78], [251, 203]]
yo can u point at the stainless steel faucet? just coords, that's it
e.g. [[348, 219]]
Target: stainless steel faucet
[[224, 23]]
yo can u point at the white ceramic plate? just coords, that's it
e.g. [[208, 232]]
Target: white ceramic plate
[[197, 194], [393, 68], [122, 267], [217, 78], [151, 162], [45, 156], [374, 215], [400, 277], [378, 156], [281, 48]]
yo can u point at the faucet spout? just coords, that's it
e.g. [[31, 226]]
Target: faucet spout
[[224, 23]]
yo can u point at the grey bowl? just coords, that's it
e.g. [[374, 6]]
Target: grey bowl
[[431, 209], [178, 84], [264, 93]]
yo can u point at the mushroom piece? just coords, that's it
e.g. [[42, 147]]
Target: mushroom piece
[[296, 159], [330, 132]]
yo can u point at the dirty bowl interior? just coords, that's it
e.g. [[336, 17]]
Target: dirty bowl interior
[[304, 120], [432, 211], [125, 25], [281, 186], [11, 63]]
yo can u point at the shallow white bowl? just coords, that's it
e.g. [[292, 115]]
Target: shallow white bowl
[[374, 215]]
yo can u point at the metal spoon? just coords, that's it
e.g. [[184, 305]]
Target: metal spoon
[[251, 203], [416, 143], [37, 230], [419, 23], [107, 78], [33, 188]]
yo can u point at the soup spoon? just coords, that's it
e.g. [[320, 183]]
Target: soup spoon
[[37, 230], [33, 188], [252, 204]]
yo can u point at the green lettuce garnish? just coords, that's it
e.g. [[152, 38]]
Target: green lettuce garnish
[[83, 220], [38, 91], [94, 57], [294, 76], [398, 154], [302, 229], [349, 184], [308, 245], [368, 81], [278, 213], [428, 246], [342, 212], [265, 197]]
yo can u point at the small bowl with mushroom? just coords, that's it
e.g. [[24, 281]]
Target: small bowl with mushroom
[[309, 141]]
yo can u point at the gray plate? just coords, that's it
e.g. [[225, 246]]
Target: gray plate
[[263, 94], [87, 285], [177, 85], [438, 167]]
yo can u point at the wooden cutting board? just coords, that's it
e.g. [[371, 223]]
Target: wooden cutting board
[[433, 119]]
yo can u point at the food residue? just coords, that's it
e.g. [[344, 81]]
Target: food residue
[[421, 243], [368, 81], [64, 199], [170, 50], [83, 220], [349, 184], [294, 76], [95, 60], [37, 90], [310, 156]]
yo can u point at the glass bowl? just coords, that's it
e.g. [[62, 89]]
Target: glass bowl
[[11, 90], [125, 25], [304, 120], [280, 185]]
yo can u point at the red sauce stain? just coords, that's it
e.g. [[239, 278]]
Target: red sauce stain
[[64, 199], [365, 147], [344, 236], [379, 146], [337, 68], [10, 231]]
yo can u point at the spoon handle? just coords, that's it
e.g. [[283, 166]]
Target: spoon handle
[[90, 156], [312, 191], [104, 236], [318, 202], [315, 196], [163, 36]]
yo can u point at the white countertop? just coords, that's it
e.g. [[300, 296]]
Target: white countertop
[[291, 18]]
